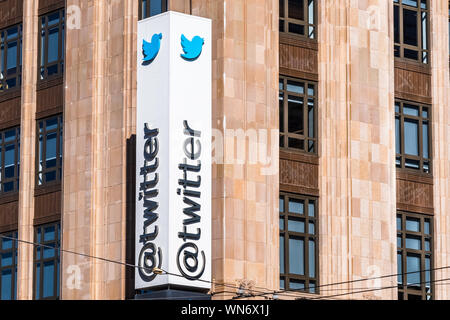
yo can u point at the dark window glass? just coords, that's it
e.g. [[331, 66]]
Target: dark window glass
[[411, 30], [47, 261], [149, 8], [295, 111], [396, 24], [410, 54], [51, 62], [414, 256], [50, 150], [281, 107], [412, 136], [8, 266], [296, 9], [298, 243], [298, 17], [298, 115], [282, 250], [10, 58], [296, 28], [281, 8], [410, 27], [9, 160]]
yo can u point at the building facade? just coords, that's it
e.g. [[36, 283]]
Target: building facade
[[354, 204]]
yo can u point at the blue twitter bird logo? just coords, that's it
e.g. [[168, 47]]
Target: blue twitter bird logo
[[151, 49], [192, 49]]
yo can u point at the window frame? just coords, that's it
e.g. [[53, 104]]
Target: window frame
[[43, 63], [59, 153], [420, 47], [13, 266], [306, 237], [402, 156], [16, 178], [18, 74], [56, 259], [403, 290], [164, 7], [305, 23], [284, 132]]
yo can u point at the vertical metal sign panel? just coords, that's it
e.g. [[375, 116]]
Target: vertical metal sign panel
[[173, 151]]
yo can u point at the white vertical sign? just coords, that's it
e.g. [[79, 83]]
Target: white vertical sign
[[173, 151]]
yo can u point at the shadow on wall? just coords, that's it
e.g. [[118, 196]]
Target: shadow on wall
[[130, 216]]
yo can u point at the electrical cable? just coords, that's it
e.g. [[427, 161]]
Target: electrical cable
[[118, 262], [290, 292], [377, 289], [304, 290]]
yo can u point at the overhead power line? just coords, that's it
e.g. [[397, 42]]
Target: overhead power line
[[119, 262], [305, 290], [376, 289], [259, 293]]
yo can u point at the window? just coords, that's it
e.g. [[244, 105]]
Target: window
[[52, 45], [8, 266], [413, 136], [46, 261], [9, 160], [298, 243], [414, 256], [298, 115], [298, 17], [149, 8], [11, 57], [50, 149], [411, 29]]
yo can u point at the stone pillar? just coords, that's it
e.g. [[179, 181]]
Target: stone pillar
[[99, 118], [183, 6], [27, 150], [357, 177], [441, 142], [245, 87]]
